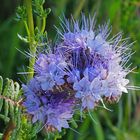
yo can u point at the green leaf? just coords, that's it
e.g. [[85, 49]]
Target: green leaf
[[9, 96]]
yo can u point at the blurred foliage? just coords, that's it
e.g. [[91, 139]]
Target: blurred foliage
[[121, 124]]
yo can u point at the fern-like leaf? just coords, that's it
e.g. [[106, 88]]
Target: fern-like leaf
[[10, 109]]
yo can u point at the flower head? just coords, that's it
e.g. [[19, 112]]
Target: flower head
[[83, 69], [90, 56]]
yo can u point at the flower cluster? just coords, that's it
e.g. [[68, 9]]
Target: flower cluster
[[82, 70], [53, 109]]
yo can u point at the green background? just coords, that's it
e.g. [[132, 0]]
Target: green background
[[124, 15]]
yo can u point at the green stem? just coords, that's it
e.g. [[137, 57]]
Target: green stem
[[26, 27], [28, 5], [43, 25]]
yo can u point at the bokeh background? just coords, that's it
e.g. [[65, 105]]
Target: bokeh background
[[124, 15]]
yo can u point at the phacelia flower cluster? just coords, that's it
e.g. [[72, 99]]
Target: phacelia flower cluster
[[82, 70]]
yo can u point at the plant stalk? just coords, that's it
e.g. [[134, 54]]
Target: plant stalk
[[31, 36]]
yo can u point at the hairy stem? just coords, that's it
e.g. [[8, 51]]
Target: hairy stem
[[28, 5]]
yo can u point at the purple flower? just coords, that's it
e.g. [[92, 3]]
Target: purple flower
[[50, 70], [84, 68], [41, 64], [87, 92], [53, 109], [59, 111], [73, 76], [90, 56]]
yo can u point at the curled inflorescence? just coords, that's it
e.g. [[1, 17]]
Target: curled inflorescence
[[82, 70]]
